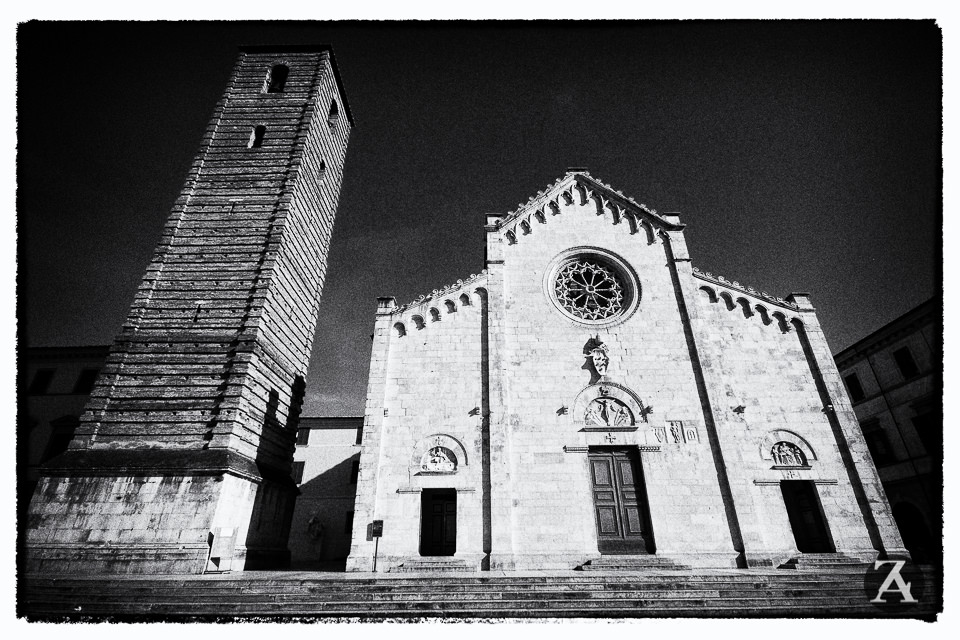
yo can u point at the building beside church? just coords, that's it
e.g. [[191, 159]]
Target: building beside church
[[893, 376], [326, 466], [590, 394], [55, 385]]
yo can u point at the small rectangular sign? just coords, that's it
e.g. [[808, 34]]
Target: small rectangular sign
[[376, 528]]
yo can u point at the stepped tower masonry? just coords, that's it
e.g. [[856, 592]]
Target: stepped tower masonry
[[181, 462]]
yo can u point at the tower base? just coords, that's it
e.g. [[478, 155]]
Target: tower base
[[157, 512]]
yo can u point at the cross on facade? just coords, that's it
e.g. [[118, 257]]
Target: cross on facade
[[610, 438]]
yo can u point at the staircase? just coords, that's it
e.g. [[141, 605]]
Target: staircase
[[559, 594]]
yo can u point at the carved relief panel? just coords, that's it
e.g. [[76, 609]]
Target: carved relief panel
[[438, 454], [676, 432], [609, 406]]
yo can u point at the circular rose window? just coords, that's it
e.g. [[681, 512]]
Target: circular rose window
[[589, 290], [593, 287]]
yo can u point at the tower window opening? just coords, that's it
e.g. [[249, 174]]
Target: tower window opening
[[256, 137], [277, 78], [334, 114]]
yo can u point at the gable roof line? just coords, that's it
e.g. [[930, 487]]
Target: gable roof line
[[442, 291], [541, 198], [750, 291]]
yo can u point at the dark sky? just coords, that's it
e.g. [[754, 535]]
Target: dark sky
[[803, 156]]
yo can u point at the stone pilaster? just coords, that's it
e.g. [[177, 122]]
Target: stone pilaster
[[498, 428], [371, 453]]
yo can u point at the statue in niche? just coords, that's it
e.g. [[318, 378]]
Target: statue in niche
[[787, 454], [608, 412], [439, 459]]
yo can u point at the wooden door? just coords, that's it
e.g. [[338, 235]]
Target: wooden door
[[806, 517], [438, 522], [619, 498]]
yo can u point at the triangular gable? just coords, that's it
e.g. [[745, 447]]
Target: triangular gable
[[580, 187]]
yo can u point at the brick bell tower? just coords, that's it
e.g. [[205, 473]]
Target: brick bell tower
[[181, 462]]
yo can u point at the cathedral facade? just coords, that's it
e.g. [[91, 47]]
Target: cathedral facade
[[591, 395]]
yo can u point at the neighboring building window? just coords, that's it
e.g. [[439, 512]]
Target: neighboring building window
[[297, 472], [853, 386], [348, 523], [878, 443], [354, 471], [303, 436], [277, 79], [256, 137], [908, 368], [63, 432], [928, 427], [41, 382], [86, 381]]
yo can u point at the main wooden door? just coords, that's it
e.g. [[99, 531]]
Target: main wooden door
[[619, 498], [806, 517], [438, 522]]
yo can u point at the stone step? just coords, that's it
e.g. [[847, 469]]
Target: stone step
[[626, 609], [397, 581], [458, 590], [445, 565], [630, 563], [820, 561], [721, 593]]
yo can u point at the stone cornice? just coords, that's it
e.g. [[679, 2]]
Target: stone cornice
[[474, 278], [553, 193], [750, 291]]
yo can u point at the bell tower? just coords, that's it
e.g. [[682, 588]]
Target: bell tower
[[181, 462]]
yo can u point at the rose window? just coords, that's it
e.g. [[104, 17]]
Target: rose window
[[588, 290]]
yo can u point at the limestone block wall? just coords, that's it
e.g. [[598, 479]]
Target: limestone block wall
[[765, 391], [545, 368], [125, 521], [432, 387]]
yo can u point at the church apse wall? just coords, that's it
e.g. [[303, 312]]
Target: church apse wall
[[598, 397]]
